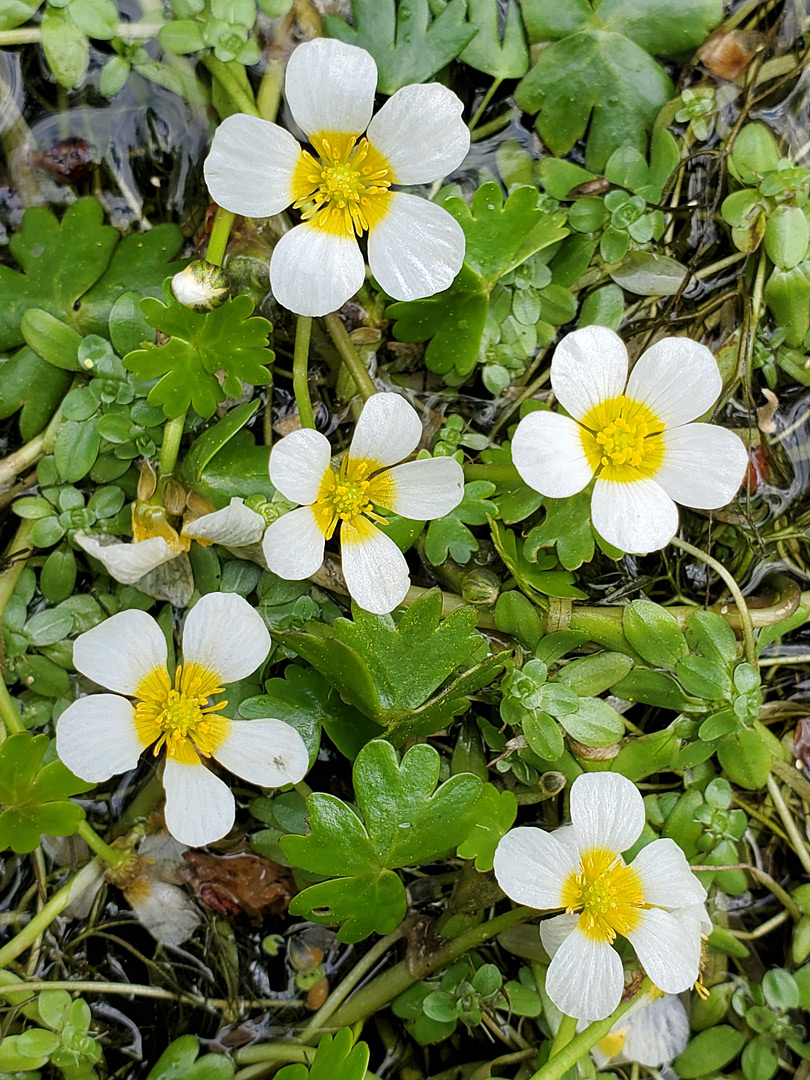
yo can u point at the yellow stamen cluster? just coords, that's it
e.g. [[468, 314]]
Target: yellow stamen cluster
[[622, 439], [345, 495], [344, 189], [608, 894], [180, 716]]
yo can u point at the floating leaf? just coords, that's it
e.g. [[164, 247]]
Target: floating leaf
[[226, 339], [407, 45], [404, 819]]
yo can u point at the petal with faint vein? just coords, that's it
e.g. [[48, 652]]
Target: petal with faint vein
[[330, 87], [420, 133], [703, 465], [415, 249], [293, 545], [128, 563], [589, 366], [375, 570], [636, 517], [236, 525], [607, 811], [250, 167], [531, 867], [96, 737], [199, 806], [388, 430], [268, 752], [548, 453], [314, 272], [121, 651], [298, 464], [225, 634], [585, 979], [420, 490]]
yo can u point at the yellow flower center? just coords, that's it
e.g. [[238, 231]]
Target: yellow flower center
[[608, 894], [181, 717], [345, 189], [347, 494], [621, 437]]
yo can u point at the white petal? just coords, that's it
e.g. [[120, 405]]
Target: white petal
[[293, 545], [547, 451], [553, 932], [128, 563], [703, 465], [677, 379], [420, 133], [121, 651], [666, 951], [666, 876], [658, 1031], [250, 168], [269, 753], [330, 87], [694, 921], [235, 526], [637, 517], [313, 271], [298, 464], [225, 634], [199, 806], [585, 979], [607, 811], [531, 866], [165, 910], [375, 570], [416, 249], [388, 430], [420, 490], [96, 737], [589, 366]]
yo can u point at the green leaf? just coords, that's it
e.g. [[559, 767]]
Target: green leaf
[[60, 262], [592, 675], [388, 670], [29, 383], [407, 45], [710, 635], [337, 1058], [66, 47], [304, 696], [566, 526], [746, 758], [709, 1050], [140, 264], [599, 75], [405, 820], [199, 345], [35, 799], [654, 633], [594, 724], [15, 12], [76, 449], [537, 579], [647, 274], [96, 18], [500, 236], [497, 811], [507, 59], [449, 535], [453, 321], [179, 1061], [203, 449], [656, 688], [51, 338]]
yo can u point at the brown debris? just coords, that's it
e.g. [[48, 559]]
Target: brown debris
[[238, 887]]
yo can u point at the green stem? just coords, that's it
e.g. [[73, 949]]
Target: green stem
[[565, 1033], [569, 1055], [259, 1056], [479, 112], [734, 589], [349, 355], [224, 76], [11, 575], [492, 127], [303, 330], [30, 454], [100, 847], [269, 95], [220, 231], [31, 35], [390, 983], [799, 845], [172, 434], [69, 892], [9, 717]]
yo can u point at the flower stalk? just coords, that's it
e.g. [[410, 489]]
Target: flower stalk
[[303, 331], [349, 355]]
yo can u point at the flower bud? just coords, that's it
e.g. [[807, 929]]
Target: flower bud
[[481, 587], [200, 286]]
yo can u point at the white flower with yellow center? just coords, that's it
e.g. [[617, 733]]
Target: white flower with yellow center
[[634, 434], [224, 640], [375, 569], [344, 188], [656, 902]]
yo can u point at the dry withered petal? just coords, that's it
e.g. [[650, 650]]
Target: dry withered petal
[[68, 161], [238, 887], [728, 55], [802, 742]]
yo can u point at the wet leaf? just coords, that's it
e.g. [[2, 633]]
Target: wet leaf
[[66, 47], [449, 535], [404, 819], [406, 43], [497, 811], [226, 339], [503, 58], [35, 798], [337, 1058], [179, 1061]]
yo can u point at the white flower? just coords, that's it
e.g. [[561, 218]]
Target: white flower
[[224, 640], [163, 909], [656, 902], [652, 1032], [236, 525], [375, 569], [257, 169], [634, 434], [128, 562]]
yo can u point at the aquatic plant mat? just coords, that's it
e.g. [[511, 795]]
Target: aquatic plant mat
[[404, 422]]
